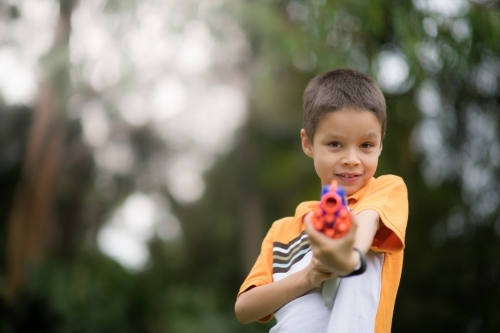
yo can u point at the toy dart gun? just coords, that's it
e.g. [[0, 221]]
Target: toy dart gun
[[332, 218]]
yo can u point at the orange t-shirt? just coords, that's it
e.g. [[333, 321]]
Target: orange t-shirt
[[387, 195]]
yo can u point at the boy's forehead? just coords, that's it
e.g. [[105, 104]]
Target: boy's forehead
[[353, 118], [332, 134]]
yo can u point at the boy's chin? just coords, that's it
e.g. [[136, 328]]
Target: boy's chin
[[350, 189]]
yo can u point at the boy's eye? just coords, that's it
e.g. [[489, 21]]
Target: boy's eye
[[334, 144], [366, 145]]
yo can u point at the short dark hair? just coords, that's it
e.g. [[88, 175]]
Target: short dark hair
[[338, 89]]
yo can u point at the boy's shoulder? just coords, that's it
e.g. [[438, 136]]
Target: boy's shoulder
[[389, 181], [381, 182], [389, 178], [291, 226], [302, 209]]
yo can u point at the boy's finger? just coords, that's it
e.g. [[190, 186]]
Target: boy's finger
[[310, 231]]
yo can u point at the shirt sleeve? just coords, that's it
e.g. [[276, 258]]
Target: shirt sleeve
[[389, 198], [262, 271]]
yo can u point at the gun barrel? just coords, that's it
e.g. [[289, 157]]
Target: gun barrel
[[331, 202], [332, 216]]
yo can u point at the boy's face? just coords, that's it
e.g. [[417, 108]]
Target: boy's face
[[346, 147]]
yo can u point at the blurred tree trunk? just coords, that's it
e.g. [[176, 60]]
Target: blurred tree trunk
[[32, 209], [250, 207]]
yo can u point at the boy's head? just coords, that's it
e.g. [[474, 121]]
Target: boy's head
[[344, 124], [341, 89]]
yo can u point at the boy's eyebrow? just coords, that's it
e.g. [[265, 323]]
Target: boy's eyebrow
[[371, 135]]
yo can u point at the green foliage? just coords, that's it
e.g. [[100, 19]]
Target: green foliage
[[93, 295]]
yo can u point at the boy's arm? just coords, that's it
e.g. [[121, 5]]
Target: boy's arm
[[338, 254], [259, 302], [368, 223]]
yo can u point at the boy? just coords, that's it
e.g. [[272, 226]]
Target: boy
[[344, 124]]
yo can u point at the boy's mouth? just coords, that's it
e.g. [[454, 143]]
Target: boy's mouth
[[348, 177]]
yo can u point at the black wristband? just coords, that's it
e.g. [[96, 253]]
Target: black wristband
[[361, 269]]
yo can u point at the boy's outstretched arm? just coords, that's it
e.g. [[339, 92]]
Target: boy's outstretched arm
[[259, 302], [338, 254]]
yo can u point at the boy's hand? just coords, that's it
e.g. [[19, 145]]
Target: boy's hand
[[260, 301], [336, 255], [317, 273]]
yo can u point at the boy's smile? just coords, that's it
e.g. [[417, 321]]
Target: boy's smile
[[346, 147]]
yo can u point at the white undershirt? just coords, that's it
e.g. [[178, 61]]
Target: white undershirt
[[354, 309]]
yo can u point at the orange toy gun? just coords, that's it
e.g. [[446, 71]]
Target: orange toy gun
[[332, 217]]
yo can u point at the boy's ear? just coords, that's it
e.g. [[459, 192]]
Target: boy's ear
[[306, 143]]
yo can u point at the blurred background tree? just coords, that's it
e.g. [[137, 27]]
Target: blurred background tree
[[147, 146]]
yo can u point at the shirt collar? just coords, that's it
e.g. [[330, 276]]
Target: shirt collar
[[355, 197]]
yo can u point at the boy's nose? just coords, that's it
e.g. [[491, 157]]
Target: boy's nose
[[350, 158]]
